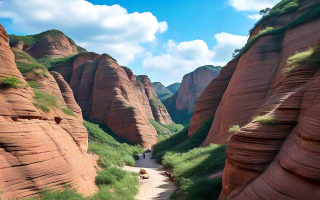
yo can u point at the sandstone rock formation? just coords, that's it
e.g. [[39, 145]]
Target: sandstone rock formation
[[275, 154], [193, 84], [39, 149], [110, 94], [52, 43]]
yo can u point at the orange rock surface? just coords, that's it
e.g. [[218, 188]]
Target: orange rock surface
[[39, 150]]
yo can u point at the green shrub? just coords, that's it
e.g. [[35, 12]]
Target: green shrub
[[310, 14], [165, 131], [44, 100], [67, 194], [234, 128], [51, 62], [25, 67], [33, 84], [10, 82], [110, 175], [42, 73], [22, 55], [67, 111], [266, 120], [310, 57]]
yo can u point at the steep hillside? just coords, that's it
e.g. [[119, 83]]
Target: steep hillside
[[52, 43], [182, 104], [43, 141], [174, 87], [163, 93], [98, 84], [265, 108]]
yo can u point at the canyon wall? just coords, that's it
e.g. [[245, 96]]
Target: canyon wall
[[271, 92], [39, 149], [182, 104]]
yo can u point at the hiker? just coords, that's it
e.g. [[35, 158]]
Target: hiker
[[144, 155]]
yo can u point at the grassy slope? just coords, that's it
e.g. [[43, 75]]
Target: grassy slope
[[165, 131], [162, 92], [113, 182], [191, 164], [174, 87]]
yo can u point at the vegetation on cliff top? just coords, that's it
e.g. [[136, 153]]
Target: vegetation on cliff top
[[192, 165], [311, 13], [163, 93], [174, 87]]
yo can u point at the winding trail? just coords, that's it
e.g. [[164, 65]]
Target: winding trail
[[158, 186]]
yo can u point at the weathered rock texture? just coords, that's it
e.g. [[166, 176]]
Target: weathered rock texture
[[51, 43], [110, 94], [39, 150], [193, 84], [277, 159]]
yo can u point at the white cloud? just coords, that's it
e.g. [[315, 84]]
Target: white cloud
[[255, 17], [183, 57], [99, 28], [187, 56], [226, 44], [252, 5]]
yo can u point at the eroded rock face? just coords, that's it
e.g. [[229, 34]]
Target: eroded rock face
[[210, 99], [277, 159], [159, 111], [39, 150], [182, 104], [110, 94], [51, 43]]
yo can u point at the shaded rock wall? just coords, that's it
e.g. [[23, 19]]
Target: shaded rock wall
[[37, 149]]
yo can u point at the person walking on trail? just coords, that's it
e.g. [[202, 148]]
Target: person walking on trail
[[144, 154]]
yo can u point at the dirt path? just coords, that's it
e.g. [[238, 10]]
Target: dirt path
[[158, 186]]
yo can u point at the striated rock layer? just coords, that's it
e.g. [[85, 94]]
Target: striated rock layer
[[39, 150], [277, 156], [110, 94], [182, 104], [52, 43]]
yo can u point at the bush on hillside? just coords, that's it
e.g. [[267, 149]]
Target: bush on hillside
[[67, 111], [43, 100], [10, 82]]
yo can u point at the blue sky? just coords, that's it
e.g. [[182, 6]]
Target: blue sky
[[162, 39]]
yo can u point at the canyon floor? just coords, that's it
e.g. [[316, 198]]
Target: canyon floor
[[158, 186]]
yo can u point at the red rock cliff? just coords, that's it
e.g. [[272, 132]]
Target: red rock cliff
[[277, 156], [109, 94], [38, 149]]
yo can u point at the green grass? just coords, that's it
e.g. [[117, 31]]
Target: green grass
[[33, 84], [174, 87], [165, 131], [32, 39], [22, 55], [67, 111], [111, 152], [266, 120], [192, 164], [25, 67], [310, 14], [44, 100], [283, 7], [10, 82], [234, 128], [51, 62], [113, 182], [309, 57]]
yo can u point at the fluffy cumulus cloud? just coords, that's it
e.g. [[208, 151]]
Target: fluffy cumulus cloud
[[252, 5], [187, 56], [255, 17], [99, 28]]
